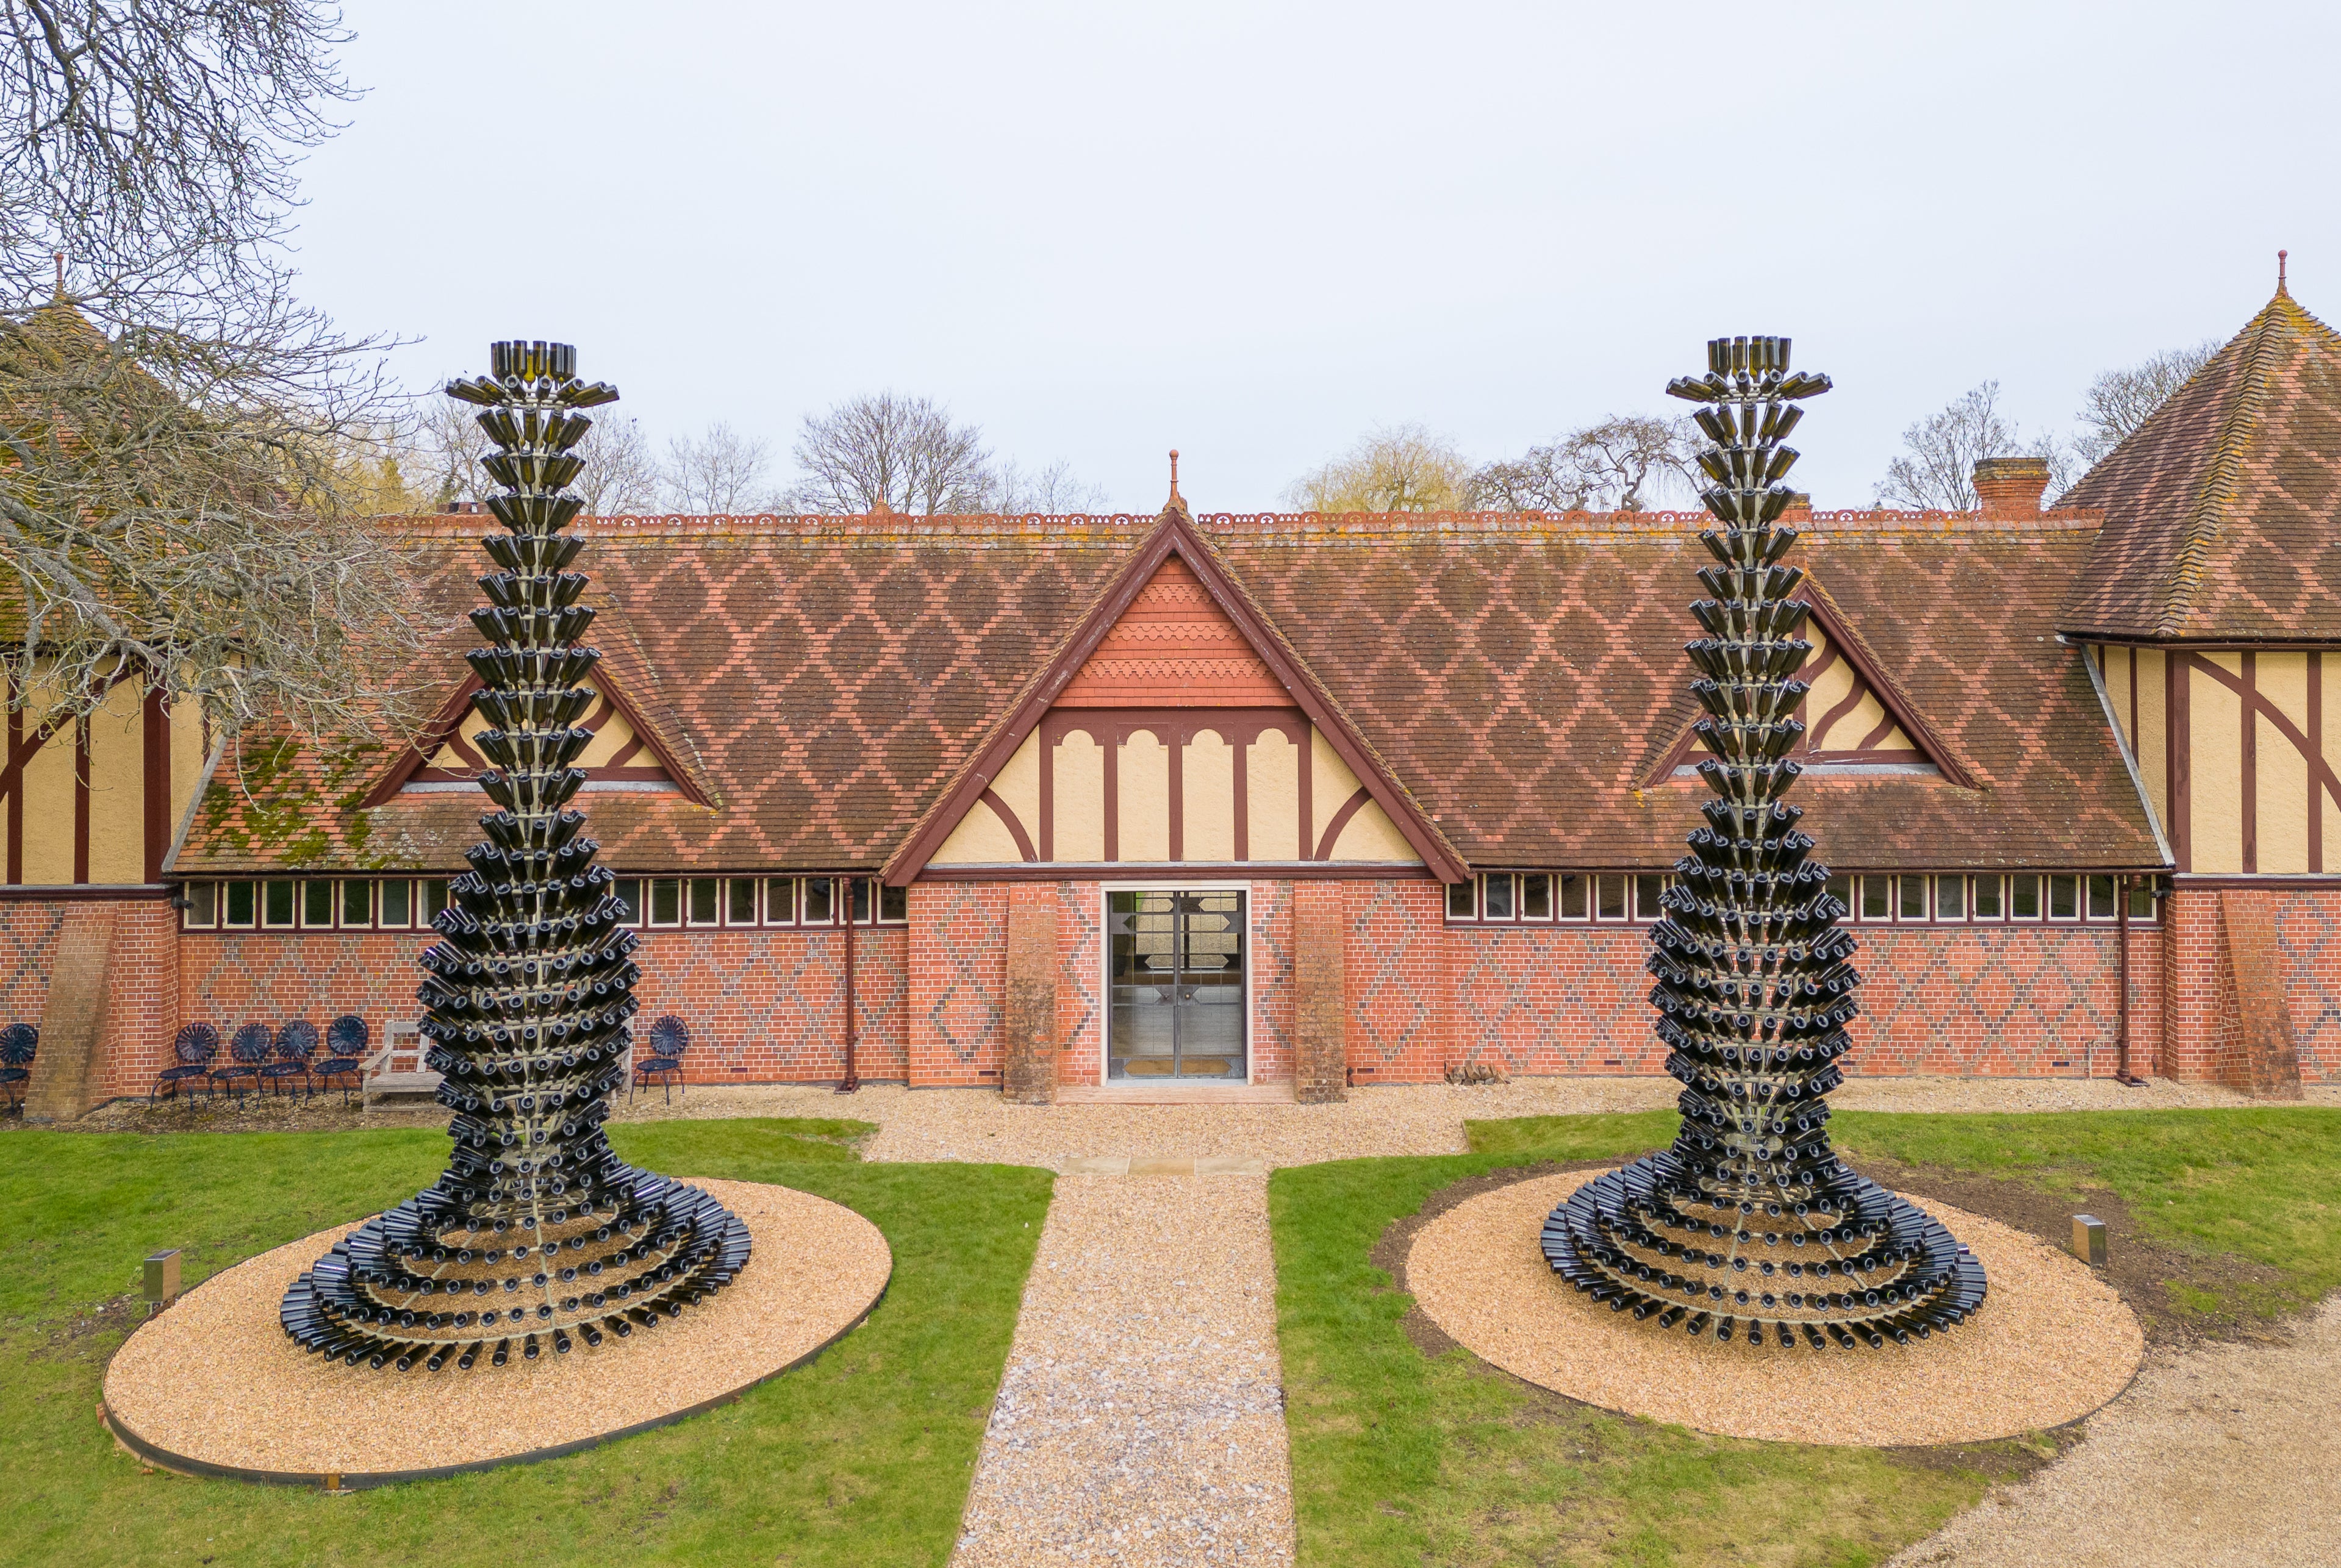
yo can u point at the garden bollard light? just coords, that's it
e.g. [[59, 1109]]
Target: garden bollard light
[[162, 1279], [2089, 1239]]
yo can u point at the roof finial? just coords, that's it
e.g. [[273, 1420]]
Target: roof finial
[[2279, 271], [1175, 497]]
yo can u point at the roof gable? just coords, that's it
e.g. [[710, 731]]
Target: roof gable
[[1183, 599], [2219, 508]]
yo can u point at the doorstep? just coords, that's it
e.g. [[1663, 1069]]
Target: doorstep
[[1275, 1092]]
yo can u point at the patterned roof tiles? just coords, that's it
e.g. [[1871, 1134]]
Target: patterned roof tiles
[[826, 680], [2220, 509]]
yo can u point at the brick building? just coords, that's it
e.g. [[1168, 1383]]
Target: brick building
[[1087, 804]]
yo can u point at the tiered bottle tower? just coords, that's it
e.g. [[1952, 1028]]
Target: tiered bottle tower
[[536, 1232], [1751, 1223]]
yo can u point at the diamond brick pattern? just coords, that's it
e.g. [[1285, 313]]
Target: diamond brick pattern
[[958, 977]]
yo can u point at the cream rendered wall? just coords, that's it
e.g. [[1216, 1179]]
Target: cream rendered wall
[[1078, 778], [2215, 795], [1207, 787], [1370, 835], [2280, 770], [117, 787], [981, 838], [188, 755], [1143, 819], [2152, 749], [1272, 799], [47, 782], [1019, 787]]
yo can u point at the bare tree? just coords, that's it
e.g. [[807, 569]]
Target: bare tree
[[446, 452], [1937, 469], [721, 472], [621, 476], [1397, 467], [902, 452], [2119, 401], [1052, 490], [1605, 466], [188, 448]]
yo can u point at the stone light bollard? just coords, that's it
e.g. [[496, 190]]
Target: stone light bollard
[[2089, 1239], [162, 1279]]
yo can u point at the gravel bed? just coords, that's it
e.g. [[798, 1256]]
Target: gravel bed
[[1141, 1420], [214, 1377], [2225, 1457], [2052, 1343]]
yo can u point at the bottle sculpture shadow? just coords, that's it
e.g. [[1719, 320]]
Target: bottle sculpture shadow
[[1751, 1221], [536, 1232]]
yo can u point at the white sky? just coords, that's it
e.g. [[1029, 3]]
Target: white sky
[[1253, 231]]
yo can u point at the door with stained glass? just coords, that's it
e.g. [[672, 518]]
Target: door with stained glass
[[1176, 984]]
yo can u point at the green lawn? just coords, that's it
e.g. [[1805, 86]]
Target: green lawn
[[861, 1457], [1400, 1458]]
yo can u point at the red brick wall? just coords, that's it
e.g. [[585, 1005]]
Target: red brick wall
[[763, 1006], [1270, 981], [143, 998], [958, 982], [1081, 996], [2309, 933], [2201, 1040], [28, 948], [1397, 961]]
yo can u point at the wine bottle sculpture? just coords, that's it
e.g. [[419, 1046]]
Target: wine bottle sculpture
[[536, 1232], [1750, 1222]]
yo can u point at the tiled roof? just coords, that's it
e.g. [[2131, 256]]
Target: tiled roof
[[2220, 510], [1517, 675]]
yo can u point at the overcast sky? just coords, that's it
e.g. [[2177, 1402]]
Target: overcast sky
[[1253, 231]]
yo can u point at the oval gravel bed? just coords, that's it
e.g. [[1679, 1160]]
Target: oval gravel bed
[[2051, 1344], [215, 1386]]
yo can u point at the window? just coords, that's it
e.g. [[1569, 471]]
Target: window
[[1462, 900], [628, 891], [1535, 897], [2101, 897], [397, 904], [860, 914], [1496, 896], [241, 897], [666, 902], [357, 903], [276, 901], [821, 901], [706, 896], [2024, 898], [780, 900], [1646, 893], [893, 906], [1573, 896], [2064, 898], [316, 903], [202, 911], [1912, 897], [1989, 905], [1877, 898], [435, 898], [740, 901], [1950, 897], [1610, 897], [1841, 885], [2141, 898]]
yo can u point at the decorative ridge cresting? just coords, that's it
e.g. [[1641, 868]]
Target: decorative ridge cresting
[[1750, 1223]]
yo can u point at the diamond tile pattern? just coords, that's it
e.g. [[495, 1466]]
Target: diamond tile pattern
[[821, 680], [2219, 509]]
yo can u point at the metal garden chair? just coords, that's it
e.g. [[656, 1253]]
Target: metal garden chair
[[670, 1036], [247, 1051], [194, 1048], [296, 1042], [345, 1049], [17, 1044]]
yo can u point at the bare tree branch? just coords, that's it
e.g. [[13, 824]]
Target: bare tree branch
[[2120, 401], [1398, 468], [621, 476], [902, 452], [721, 472], [1603, 467], [1936, 471]]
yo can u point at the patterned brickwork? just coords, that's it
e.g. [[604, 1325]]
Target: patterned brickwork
[[1987, 1001], [1270, 980], [2308, 934], [28, 948], [1399, 990], [958, 977], [1544, 1001], [1080, 998]]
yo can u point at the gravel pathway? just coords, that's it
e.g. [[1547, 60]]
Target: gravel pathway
[[2224, 1456], [1141, 1420]]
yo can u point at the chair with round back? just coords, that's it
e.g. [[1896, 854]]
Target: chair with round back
[[193, 1049], [670, 1036], [345, 1049], [247, 1051], [296, 1042], [17, 1044]]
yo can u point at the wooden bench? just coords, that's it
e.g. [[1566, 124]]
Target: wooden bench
[[396, 1071]]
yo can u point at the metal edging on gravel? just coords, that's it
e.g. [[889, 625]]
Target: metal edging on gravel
[[359, 1481]]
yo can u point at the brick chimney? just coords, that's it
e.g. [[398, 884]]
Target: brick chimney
[[2011, 486]]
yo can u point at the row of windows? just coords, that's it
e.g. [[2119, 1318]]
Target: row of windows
[[1504, 898], [403, 904]]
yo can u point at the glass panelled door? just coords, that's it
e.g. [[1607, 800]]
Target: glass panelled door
[[1176, 983]]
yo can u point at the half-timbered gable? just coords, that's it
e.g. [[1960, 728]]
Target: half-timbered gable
[[625, 754]]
